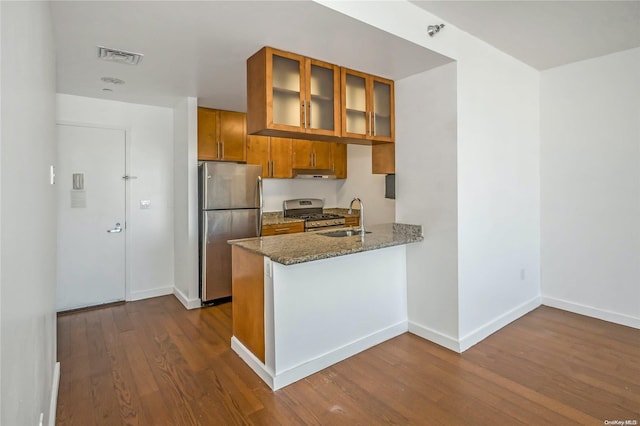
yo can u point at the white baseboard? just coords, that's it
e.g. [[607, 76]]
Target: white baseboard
[[252, 361], [147, 294], [55, 385], [434, 336], [314, 365], [591, 311], [479, 334], [188, 303], [496, 324]]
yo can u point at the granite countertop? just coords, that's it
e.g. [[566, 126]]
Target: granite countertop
[[342, 212], [303, 247], [277, 218]]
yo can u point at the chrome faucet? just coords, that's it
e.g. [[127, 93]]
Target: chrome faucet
[[362, 229]]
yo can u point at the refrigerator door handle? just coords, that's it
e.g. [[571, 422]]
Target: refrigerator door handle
[[205, 185], [203, 268], [260, 201]]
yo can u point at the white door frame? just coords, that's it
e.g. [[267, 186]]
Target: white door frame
[[127, 192]]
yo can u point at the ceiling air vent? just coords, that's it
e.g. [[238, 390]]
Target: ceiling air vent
[[120, 56]]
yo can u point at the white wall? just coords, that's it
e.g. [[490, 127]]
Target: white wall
[[368, 187], [497, 168], [27, 217], [427, 195], [149, 133], [185, 200], [278, 190], [338, 193], [591, 187], [498, 190]]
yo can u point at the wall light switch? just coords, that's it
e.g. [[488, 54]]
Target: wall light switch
[[145, 204]]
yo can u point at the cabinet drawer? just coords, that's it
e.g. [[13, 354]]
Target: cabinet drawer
[[351, 221], [282, 228]]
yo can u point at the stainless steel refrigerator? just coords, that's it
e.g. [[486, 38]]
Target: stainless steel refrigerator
[[230, 202]]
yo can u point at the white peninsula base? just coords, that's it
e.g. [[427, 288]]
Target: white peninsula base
[[320, 312]]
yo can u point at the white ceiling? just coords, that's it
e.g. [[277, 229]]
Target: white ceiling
[[199, 48], [546, 34]]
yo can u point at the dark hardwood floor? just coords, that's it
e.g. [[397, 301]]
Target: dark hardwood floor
[[154, 363]]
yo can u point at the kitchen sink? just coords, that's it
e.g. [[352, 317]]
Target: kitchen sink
[[342, 233]]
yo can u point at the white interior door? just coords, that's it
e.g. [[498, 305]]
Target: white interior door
[[91, 216]]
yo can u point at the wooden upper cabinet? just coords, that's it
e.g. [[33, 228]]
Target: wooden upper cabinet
[[281, 155], [367, 107], [339, 158], [221, 135], [233, 135], [208, 146], [258, 152], [383, 158], [273, 154], [289, 95], [312, 154]]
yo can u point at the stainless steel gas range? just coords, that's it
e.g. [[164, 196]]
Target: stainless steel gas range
[[311, 211]]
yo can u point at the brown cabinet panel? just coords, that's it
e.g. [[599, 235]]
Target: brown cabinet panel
[[302, 154], [233, 134], [273, 154], [322, 155], [221, 135], [207, 134], [383, 158], [281, 157], [248, 300], [282, 228], [312, 154], [258, 152], [352, 221], [339, 158]]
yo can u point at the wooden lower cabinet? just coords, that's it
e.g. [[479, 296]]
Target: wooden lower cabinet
[[248, 300], [352, 221], [383, 158], [282, 228]]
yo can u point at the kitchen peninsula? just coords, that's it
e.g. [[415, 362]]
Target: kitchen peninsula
[[302, 302]]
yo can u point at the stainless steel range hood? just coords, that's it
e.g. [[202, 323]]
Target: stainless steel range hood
[[314, 174]]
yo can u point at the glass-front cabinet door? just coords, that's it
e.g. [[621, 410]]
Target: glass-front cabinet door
[[355, 112], [367, 107], [322, 98], [382, 125], [287, 91]]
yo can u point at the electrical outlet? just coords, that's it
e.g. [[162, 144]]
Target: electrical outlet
[[523, 273], [145, 204]]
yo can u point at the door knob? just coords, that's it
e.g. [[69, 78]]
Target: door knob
[[117, 229]]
